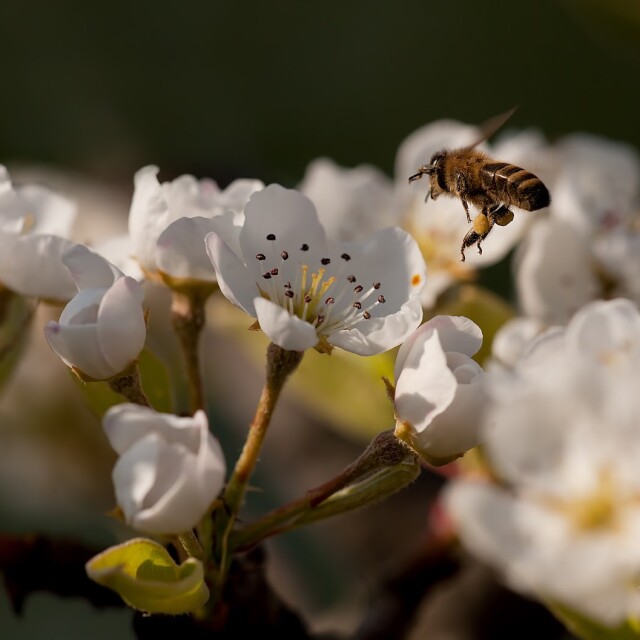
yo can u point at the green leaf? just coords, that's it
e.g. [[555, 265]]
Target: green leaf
[[146, 577]]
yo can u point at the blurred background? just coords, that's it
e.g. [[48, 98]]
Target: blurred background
[[94, 91], [230, 89]]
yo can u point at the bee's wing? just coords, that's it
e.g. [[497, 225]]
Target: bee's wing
[[491, 126]]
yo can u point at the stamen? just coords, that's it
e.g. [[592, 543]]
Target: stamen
[[261, 256], [284, 255], [346, 257], [271, 236]]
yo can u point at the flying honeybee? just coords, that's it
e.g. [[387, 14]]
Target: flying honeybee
[[489, 185]]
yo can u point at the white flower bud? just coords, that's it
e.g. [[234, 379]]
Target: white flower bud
[[170, 468], [102, 330]]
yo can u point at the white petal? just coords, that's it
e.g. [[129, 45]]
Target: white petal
[[234, 279], [291, 217], [181, 251], [287, 331], [121, 325], [125, 424], [118, 250], [381, 334], [78, 346], [351, 203], [456, 333], [211, 467], [89, 269], [604, 327], [392, 257], [554, 272], [53, 213], [457, 428], [134, 474], [425, 387], [148, 216], [32, 266]]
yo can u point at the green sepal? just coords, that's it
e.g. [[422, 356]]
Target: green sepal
[[147, 578]]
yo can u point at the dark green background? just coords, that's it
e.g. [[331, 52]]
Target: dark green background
[[260, 88]]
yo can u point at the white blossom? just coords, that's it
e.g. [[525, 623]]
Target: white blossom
[[307, 291], [439, 395], [562, 436], [168, 221], [170, 468], [102, 329], [34, 224]]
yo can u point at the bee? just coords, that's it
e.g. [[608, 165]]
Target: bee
[[491, 186]]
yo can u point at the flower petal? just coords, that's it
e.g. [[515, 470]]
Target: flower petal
[[121, 325], [31, 265], [426, 387], [234, 279], [553, 272], [290, 218], [181, 251], [79, 348], [89, 269], [287, 331]]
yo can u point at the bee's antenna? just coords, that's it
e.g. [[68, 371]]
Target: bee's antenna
[[424, 170]]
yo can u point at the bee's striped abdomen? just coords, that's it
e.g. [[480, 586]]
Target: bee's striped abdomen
[[513, 185]]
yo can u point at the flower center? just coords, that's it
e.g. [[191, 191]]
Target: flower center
[[325, 295]]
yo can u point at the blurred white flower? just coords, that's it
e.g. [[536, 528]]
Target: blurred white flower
[[562, 436], [170, 468], [168, 221], [588, 246], [439, 226], [102, 329], [439, 396], [34, 223], [350, 202], [308, 292], [511, 342]]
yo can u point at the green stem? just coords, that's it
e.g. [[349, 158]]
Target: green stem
[[191, 545], [280, 365], [373, 488], [128, 384], [385, 451], [188, 319]]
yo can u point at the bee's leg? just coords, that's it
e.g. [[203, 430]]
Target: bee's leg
[[468, 241], [482, 225], [501, 216], [462, 189]]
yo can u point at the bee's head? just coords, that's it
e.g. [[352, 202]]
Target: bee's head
[[435, 171], [436, 174]]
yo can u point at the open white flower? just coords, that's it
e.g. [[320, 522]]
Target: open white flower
[[562, 435], [34, 223], [308, 292], [170, 468], [439, 396], [168, 222], [102, 330]]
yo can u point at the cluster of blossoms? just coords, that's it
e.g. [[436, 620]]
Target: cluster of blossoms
[[561, 516], [553, 412]]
